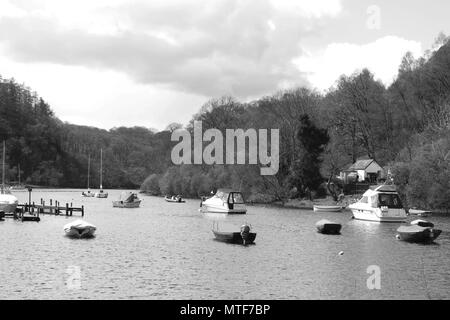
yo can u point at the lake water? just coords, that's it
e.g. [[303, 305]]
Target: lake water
[[167, 251]]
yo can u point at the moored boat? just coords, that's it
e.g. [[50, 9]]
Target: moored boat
[[127, 200], [420, 213], [318, 208], [417, 234], [225, 201], [328, 227], [8, 202], [381, 204], [79, 229], [244, 236], [174, 199]]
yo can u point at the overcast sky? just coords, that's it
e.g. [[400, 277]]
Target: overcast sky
[[110, 63]]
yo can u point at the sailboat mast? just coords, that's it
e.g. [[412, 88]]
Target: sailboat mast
[[89, 169], [3, 166], [19, 172], [101, 168]]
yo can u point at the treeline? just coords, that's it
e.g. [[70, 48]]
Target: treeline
[[51, 153], [404, 127]]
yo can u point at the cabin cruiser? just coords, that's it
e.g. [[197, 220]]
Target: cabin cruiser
[[380, 205], [225, 201], [79, 229]]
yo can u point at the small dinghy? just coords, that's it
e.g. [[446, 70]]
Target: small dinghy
[[177, 199], [420, 213], [79, 229], [244, 236], [422, 223], [417, 234], [328, 227], [327, 208]]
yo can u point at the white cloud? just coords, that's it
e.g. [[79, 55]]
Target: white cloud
[[203, 47], [382, 57], [309, 8]]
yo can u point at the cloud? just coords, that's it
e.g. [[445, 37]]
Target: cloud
[[202, 47], [382, 57]]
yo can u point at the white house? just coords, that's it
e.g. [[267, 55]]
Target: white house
[[364, 170]]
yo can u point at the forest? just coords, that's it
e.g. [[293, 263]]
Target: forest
[[404, 127]]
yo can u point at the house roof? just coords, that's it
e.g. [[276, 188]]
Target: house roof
[[360, 165]]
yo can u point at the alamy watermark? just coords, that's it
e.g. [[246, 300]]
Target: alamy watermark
[[235, 147], [374, 20], [74, 280], [374, 280]]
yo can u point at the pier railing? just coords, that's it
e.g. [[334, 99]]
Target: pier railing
[[52, 208]]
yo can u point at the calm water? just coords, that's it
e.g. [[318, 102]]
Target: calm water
[[166, 251]]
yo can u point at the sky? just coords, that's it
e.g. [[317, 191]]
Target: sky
[[110, 63]]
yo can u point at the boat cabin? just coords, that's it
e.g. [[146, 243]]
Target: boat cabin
[[382, 196], [229, 196]]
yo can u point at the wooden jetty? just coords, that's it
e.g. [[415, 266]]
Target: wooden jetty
[[53, 208]]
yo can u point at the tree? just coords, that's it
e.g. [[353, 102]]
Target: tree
[[305, 173]]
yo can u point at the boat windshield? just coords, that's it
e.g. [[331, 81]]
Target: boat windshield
[[222, 195], [236, 198], [389, 200]]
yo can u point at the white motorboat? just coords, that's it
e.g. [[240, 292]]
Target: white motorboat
[[8, 202], [225, 201], [318, 208], [382, 204], [80, 229]]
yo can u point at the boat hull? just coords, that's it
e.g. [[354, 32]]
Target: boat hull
[[88, 194], [374, 216], [8, 207], [328, 227], [101, 195], [174, 201], [129, 205], [222, 209], [327, 208], [80, 233], [79, 229], [233, 237], [417, 234]]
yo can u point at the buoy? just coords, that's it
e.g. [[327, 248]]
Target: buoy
[[397, 237], [341, 253]]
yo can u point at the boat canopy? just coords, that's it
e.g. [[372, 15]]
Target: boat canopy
[[128, 196], [228, 195], [79, 224], [383, 196]]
